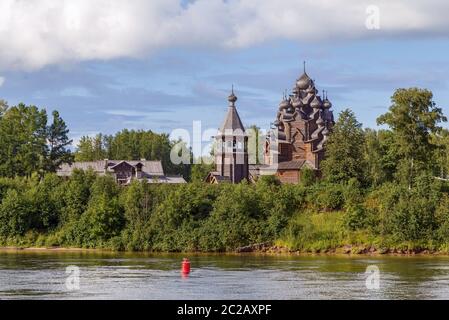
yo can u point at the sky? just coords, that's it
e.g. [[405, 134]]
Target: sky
[[106, 65]]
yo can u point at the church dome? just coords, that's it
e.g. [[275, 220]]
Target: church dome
[[327, 104], [311, 88], [303, 82], [295, 90], [297, 102], [285, 104], [232, 97], [316, 102], [320, 121]]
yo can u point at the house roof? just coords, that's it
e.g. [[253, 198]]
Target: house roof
[[150, 168], [217, 177], [291, 165]]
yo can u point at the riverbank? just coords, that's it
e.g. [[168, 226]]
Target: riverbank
[[343, 250], [263, 248]]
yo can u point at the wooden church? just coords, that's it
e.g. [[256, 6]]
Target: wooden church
[[296, 139]]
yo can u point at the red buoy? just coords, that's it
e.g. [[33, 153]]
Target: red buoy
[[185, 266]]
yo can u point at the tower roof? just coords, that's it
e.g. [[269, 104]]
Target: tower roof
[[232, 120]]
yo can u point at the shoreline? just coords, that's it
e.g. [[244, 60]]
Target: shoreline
[[346, 251]]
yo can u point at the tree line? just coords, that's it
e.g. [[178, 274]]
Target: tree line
[[415, 144], [131, 145]]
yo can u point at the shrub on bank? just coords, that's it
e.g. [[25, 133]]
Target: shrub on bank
[[93, 212]]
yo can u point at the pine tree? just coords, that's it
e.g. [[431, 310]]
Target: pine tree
[[58, 142]]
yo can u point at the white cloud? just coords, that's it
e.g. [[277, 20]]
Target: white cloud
[[42, 32]]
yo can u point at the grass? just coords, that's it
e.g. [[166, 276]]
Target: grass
[[325, 231]]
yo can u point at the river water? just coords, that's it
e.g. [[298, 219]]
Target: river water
[[44, 275]]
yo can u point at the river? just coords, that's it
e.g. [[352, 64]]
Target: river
[[105, 275]]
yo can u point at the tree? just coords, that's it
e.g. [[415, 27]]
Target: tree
[[23, 131], [413, 117], [14, 214], [379, 156], [344, 150], [58, 141], [441, 140], [3, 107], [200, 171]]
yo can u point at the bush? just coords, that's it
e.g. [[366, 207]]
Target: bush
[[326, 196], [355, 217], [307, 176], [15, 212]]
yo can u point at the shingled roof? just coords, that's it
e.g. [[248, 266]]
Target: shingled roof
[[232, 120], [151, 168]]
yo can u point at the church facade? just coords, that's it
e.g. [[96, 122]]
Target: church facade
[[296, 139]]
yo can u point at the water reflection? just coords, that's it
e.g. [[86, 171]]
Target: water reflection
[[104, 275]]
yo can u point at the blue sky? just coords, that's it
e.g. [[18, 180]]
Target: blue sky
[[168, 86]]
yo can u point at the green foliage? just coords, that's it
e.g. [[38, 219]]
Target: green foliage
[[344, 149], [14, 214], [379, 156], [441, 155], [271, 180], [131, 145], [58, 143], [413, 117], [326, 196], [355, 217], [308, 176], [23, 141], [28, 145], [93, 211], [200, 171], [235, 220], [314, 232]]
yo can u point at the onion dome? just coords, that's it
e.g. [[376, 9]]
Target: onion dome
[[296, 103], [326, 103], [295, 90], [285, 104], [311, 89], [316, 103], [320, 121], [232, 98], [303, 82]]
